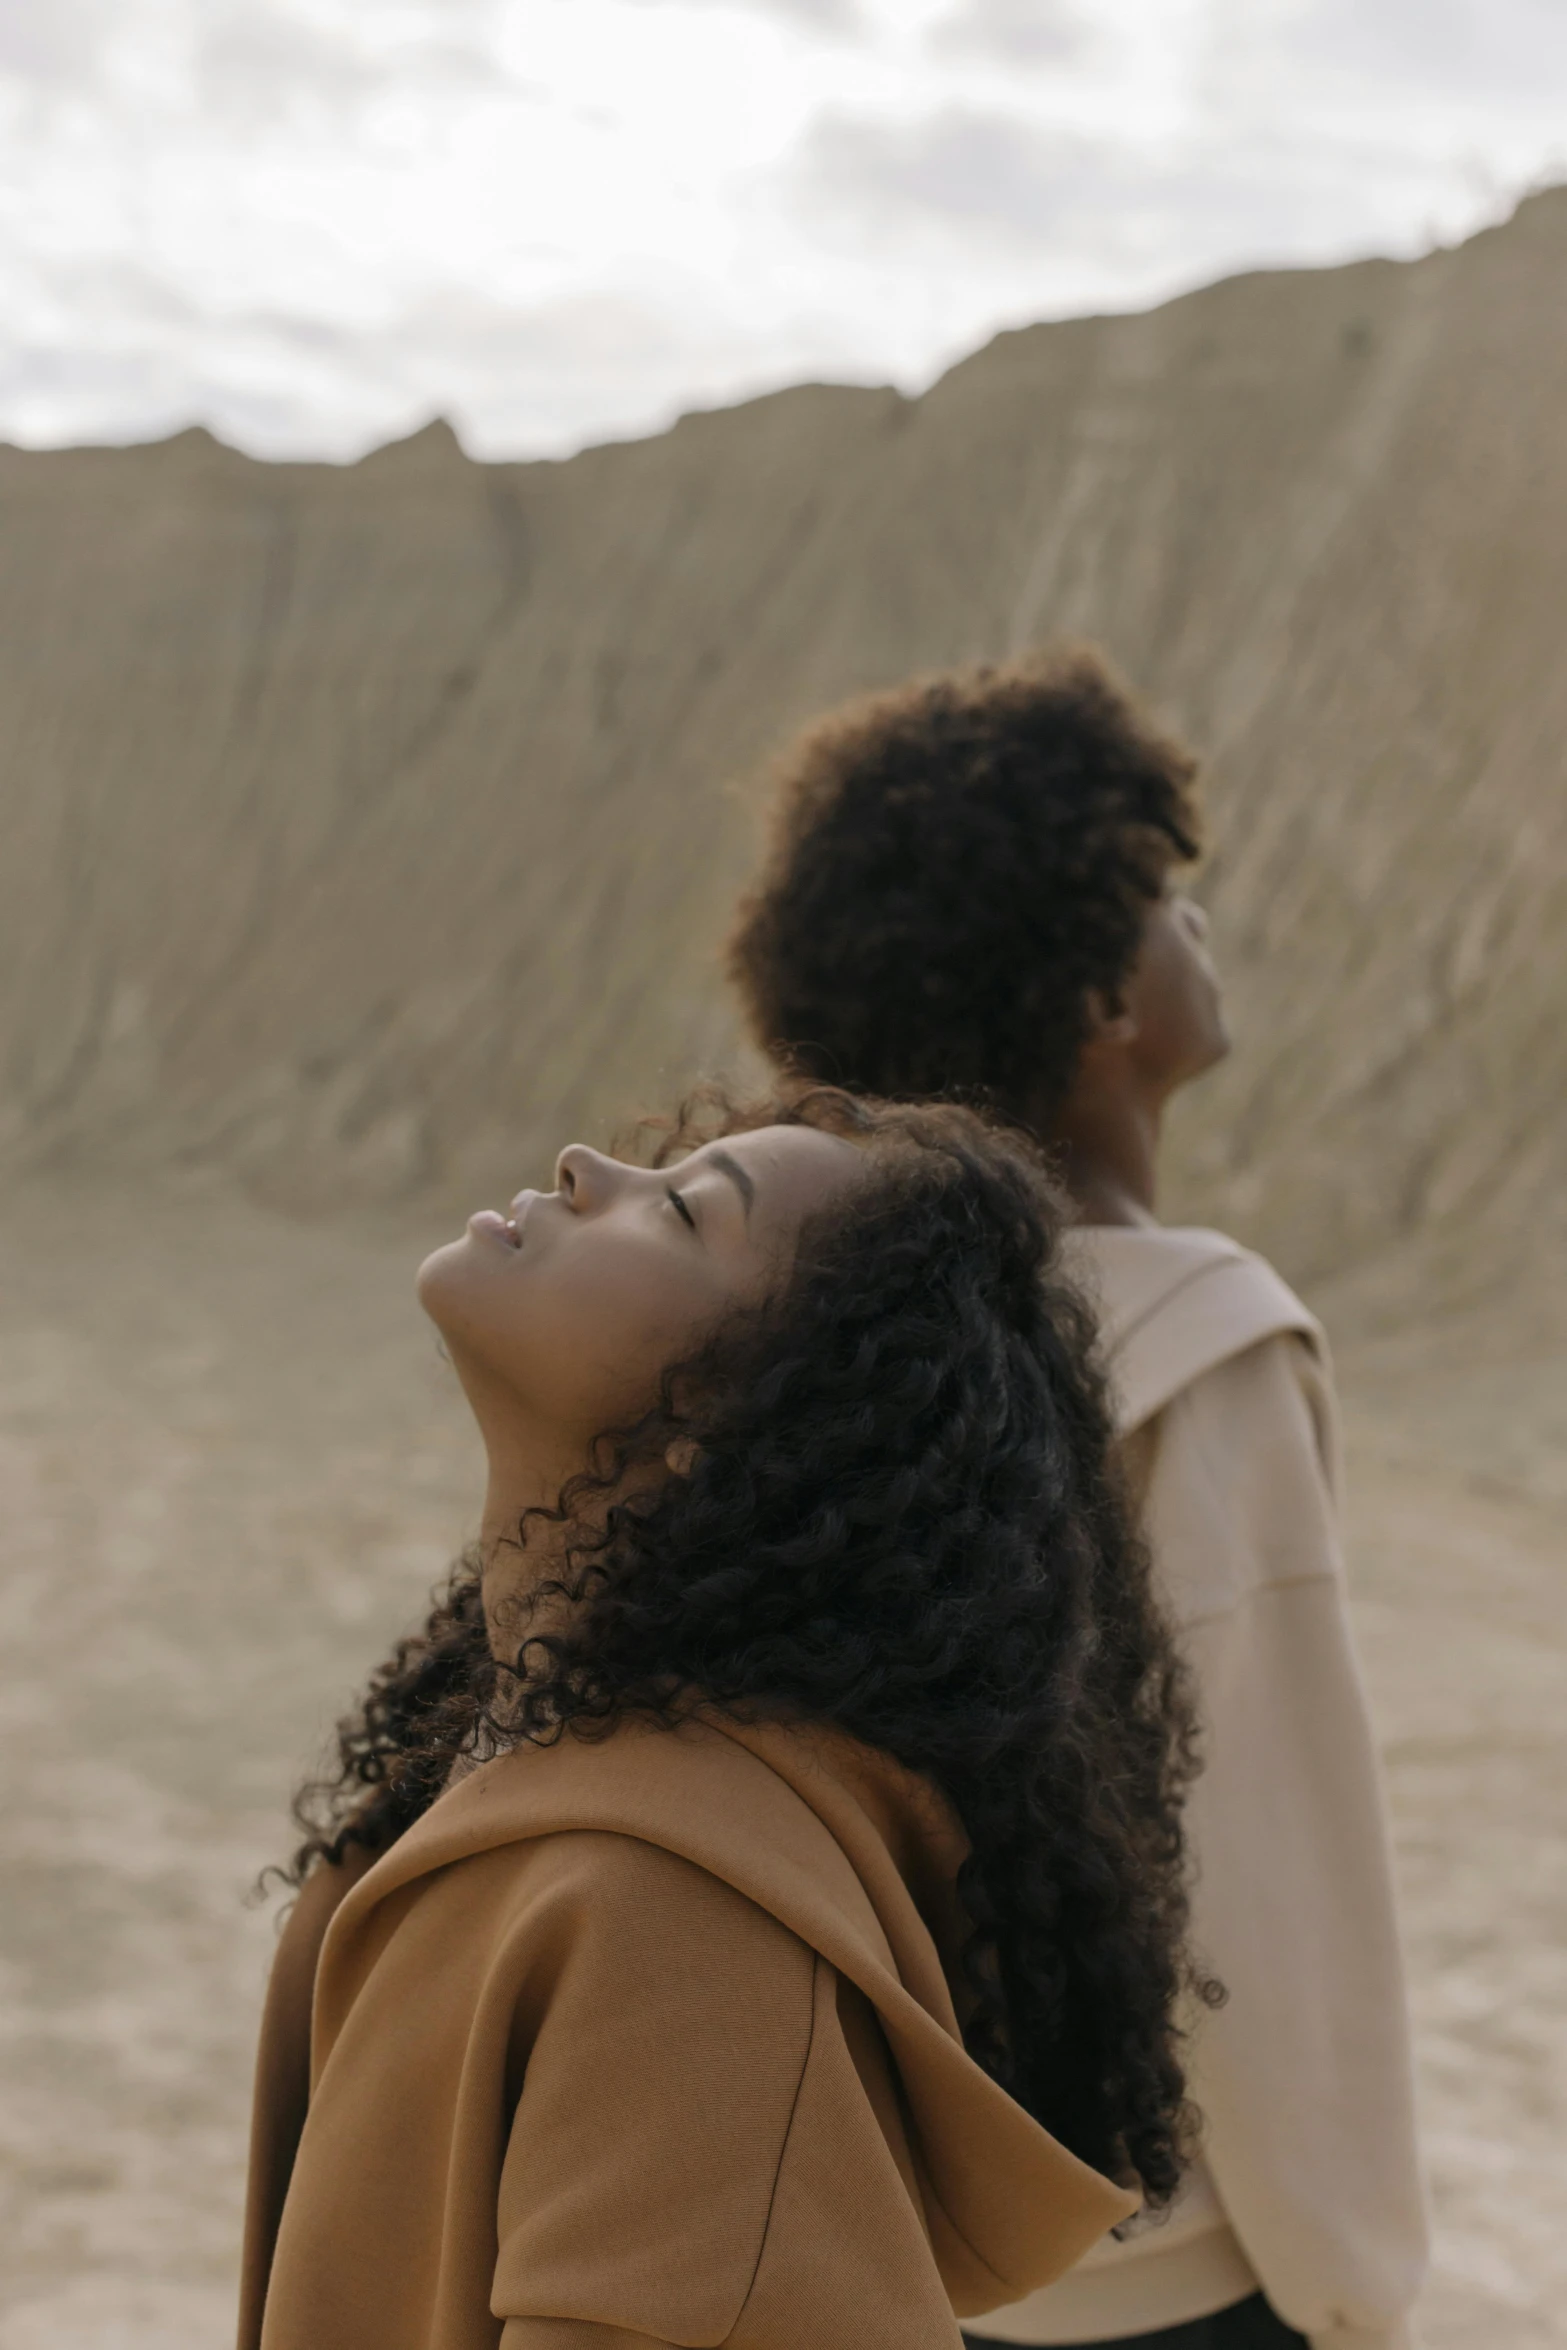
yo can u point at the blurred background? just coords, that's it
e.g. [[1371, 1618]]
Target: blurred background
[[448, 448]]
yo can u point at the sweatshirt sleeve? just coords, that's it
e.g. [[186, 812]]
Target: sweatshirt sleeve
[[1304, 2074], [707, 2147], [282, 2084]]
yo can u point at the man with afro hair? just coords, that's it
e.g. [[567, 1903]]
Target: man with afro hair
[[972, 891]]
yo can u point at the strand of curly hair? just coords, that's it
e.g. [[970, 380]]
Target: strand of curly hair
[[901, 1518]]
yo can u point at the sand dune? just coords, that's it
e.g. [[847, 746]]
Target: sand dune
[[369, 825]]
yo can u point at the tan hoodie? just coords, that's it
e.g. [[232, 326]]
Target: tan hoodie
[[638, 2042], [1310, 2184]]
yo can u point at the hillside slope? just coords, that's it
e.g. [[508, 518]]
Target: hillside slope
[[370, 829]]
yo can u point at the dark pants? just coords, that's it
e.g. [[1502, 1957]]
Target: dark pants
[[1245, 2325]]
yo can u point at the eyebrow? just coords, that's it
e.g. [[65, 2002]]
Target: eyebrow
[[738, 1177]]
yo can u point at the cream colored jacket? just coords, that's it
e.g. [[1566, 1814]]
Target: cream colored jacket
[[1310, 2185]]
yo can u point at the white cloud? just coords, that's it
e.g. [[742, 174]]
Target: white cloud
[[955, 172], [1020, 199], [253, 64], [1017, 32], [54, 45], [313, 222], [1472, 55], [508, 377], [834, 16]]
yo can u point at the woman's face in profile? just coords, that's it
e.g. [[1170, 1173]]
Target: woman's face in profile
[[569, 1308]]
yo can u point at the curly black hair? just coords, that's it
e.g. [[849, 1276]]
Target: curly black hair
[[895, 1512], [954, 866]]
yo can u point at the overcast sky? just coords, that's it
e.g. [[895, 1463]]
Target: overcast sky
[[312, 224]]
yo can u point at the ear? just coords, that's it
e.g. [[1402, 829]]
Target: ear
[[681, 1456], [1109, 1022]]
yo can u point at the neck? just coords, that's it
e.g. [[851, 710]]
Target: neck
[[507, 1500], [520, 1479], [1107, 1149]]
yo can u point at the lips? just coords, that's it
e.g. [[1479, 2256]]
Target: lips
[[505, 1231], [494, 1226]]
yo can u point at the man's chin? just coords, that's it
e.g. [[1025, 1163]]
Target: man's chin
[[1217, 1047]]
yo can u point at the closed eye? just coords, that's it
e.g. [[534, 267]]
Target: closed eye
[[679, 1206]]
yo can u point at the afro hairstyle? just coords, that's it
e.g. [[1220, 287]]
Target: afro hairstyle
[[954, 866]]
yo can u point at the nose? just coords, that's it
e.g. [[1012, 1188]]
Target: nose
[[586, 1180]]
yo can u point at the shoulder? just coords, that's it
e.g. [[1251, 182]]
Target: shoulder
[[304, 1927], [777, 1816], [611, 1891], [587, 1922], [1174, 1304]]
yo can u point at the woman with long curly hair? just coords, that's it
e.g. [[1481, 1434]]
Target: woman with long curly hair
[[751, 1910]]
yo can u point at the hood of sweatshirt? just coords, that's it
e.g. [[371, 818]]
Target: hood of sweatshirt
[[1173, 1302], [856, 1857]]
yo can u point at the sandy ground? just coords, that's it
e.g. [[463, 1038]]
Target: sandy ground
[[231, 1463]]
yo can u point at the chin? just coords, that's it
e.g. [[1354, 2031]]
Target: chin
[[442, 1278], [1202, 1055]]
